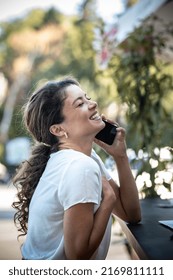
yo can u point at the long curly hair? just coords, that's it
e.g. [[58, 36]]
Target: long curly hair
[[44, 108]]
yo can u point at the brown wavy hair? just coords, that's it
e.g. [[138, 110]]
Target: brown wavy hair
[[43, 109]]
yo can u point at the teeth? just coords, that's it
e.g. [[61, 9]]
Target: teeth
[[95, 117]]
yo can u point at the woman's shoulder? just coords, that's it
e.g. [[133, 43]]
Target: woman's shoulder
[[83, 160]]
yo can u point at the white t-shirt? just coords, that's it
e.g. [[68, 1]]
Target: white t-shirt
[[70, 177]]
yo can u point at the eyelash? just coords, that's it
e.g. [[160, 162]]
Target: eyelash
[[88, 98]]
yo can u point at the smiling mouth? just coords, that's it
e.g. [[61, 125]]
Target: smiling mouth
[[95, 117]]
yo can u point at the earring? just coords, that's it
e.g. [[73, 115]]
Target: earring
[[65, 134]]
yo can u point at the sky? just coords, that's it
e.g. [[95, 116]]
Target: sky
[[10, 9]]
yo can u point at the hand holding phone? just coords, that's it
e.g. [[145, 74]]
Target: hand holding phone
[[108, 133]]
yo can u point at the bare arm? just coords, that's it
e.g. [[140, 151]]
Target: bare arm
[[84, 230], [127, 205]]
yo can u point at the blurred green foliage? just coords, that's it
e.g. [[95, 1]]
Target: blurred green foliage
[[145, 84]]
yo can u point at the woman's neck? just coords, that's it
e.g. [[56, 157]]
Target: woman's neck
[[84, 147]]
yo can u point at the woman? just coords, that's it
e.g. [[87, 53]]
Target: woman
[[65, 195]]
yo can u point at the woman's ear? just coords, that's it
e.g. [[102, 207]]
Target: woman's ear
[[56, 130]]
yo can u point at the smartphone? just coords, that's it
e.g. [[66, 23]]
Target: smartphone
[[108, 133]]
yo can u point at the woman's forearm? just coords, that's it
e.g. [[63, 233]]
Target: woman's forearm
[[101, 219], [83, 239], [128, 192], [81, 245]]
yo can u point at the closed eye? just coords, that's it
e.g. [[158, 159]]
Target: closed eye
[[87, 98], [80, 104], [81, 100]]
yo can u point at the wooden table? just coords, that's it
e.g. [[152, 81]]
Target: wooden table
[[149, 239]]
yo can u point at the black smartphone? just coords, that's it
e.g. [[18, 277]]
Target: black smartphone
[[108, 133]]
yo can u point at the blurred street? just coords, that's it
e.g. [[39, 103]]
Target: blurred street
[[10, 247]]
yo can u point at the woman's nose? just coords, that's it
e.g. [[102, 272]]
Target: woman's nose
[[92, 104]]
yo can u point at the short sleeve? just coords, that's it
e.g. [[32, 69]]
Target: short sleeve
[[103, 169], [81, 183]]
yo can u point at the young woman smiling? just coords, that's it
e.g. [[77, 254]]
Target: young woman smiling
[[65, 195]]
